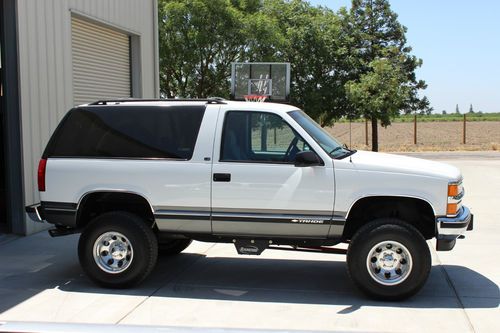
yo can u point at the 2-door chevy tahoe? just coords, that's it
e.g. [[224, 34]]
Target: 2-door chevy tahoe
[[136, 176]]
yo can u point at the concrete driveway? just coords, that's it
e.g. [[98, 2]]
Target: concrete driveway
[[211, 286]]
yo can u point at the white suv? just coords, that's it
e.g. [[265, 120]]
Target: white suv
[[135, 176]]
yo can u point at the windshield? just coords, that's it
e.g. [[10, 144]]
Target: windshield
[[329, 144]]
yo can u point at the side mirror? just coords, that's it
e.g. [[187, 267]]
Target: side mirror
[[306, 159]]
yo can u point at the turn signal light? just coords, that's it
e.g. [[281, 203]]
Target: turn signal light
[[453, 190], [451, 209]]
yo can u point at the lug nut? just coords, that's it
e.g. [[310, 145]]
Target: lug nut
[[398, 271], [389, 246], [387, 275], [399, 251], [403, 261], [374, 259], [378, 250]]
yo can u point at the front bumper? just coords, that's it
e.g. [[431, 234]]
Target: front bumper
[[450, 228]]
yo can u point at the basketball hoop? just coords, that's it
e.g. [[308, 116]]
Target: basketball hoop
[[255, 98], [260, 81]]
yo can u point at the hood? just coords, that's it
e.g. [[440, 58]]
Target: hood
[[366, 160]]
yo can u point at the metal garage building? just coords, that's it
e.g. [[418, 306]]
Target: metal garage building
[[56, 54]]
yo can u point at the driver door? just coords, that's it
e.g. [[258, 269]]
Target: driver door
[[257, 190]]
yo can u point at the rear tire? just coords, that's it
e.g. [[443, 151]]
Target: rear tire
[[117, 250], [389, 259], [173, 247]]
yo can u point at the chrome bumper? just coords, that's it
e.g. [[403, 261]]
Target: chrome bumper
[[35, 213], [452, 227]]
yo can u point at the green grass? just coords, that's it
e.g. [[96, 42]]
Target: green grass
[[442, 117]]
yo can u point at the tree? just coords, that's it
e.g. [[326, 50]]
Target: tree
[[443, 112], [379, 93], [457, 110], [200, 38], [313, 44], [471, 109], [378, 45]]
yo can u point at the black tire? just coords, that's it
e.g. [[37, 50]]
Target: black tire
[[393, 230], [142, 240], [173, 247]]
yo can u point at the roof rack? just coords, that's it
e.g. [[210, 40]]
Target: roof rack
[[210, 100]]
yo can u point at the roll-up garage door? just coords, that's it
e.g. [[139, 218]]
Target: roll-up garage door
[[101, 62]]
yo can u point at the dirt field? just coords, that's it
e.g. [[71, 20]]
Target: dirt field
[[431, 136]]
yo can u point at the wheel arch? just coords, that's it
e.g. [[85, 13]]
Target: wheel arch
[[100, 201], [414, 210]]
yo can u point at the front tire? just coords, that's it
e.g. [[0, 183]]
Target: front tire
[[389, 259], [117, 250]]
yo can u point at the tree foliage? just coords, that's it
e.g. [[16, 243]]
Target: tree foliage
[[200, 38], [378, 93], [311, 43], [350, 63]]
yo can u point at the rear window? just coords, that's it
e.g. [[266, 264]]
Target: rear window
[[128, 132]]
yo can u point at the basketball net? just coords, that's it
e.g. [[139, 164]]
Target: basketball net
[[262, 87], [255, 98]]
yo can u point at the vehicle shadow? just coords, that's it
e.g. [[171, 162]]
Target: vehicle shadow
[[254, 279], [31, 271]]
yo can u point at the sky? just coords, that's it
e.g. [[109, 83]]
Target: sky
[[459, 43]]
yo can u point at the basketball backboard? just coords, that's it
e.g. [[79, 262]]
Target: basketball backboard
[[271, 79]]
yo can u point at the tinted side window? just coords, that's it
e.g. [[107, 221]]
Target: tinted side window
[[259, 137], [128, 132]]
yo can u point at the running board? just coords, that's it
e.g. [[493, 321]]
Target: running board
[[256, 247], [319, 249]]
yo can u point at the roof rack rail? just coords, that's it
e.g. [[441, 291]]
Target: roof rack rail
[[210, 100], [216, 100]]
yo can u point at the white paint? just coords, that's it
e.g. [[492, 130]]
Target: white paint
[[253, 186]]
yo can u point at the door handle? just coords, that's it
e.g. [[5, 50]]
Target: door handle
[[222, 177]]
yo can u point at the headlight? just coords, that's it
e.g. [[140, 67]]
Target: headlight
[[455, 195]]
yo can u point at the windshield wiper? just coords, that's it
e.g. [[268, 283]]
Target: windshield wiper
[[347, 148], [335, 149], [349, 152]]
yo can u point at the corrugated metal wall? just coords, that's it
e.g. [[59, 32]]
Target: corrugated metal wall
[[45, 61]]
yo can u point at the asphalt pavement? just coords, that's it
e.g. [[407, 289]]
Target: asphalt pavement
[[210, 286]]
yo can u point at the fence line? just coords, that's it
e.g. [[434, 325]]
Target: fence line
[[415, 131], [431, 135]]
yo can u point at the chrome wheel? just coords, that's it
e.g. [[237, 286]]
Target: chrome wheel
[[389, 263], [113, 252]]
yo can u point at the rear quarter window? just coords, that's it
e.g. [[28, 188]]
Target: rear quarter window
[[128, 132]]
